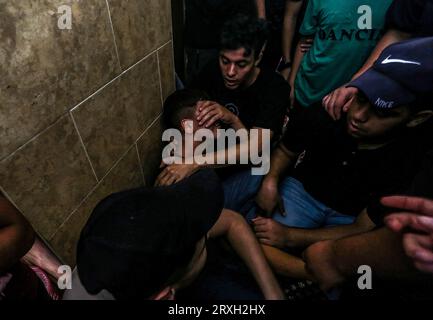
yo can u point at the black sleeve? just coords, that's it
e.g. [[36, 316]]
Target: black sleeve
[[273, 107], [405, 15], [206, 79], [377, 212], [306, 126], [421, 186]]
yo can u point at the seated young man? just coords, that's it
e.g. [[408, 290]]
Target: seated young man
[[342, 169], [147, 243], [401, 265], [203, 22], [241, 96]]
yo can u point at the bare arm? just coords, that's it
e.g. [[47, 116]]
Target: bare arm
[[285, 264], [291, 14], [261, 9], [268, 196], [272, 233], [252, 150], [282, 159], [390, 37], [252, 145], [208, 112], [299, 55], [306, 237], [332, 262], [234, 227], [16, 235], [340, 99], [387, 259]]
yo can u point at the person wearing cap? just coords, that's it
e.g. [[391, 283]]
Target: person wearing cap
[[405, 19], [147, 243], [338, 171]]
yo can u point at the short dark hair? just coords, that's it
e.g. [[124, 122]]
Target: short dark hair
[[243, 31], [181, 104]]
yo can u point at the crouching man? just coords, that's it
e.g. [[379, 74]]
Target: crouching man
[[149, 243]]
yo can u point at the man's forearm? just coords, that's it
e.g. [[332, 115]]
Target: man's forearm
[[253, 150], [380, 249], [289, 27], [390, 37], [285, 264], [261, 9], [306, 237], [299, 55], [281, 160]]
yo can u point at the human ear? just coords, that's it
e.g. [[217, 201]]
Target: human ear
[[419, 118]]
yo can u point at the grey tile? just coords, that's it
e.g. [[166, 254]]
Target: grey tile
[[166, 66], [125, 175], [44, 70], [49, 176], [111, 121], [150, 148], [140, 26]]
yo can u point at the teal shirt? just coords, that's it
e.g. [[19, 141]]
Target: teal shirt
[[340, 47]]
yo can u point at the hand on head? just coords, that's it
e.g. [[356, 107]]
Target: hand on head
[[338, 101]]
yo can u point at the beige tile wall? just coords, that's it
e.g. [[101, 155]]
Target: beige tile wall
[[80, 109]]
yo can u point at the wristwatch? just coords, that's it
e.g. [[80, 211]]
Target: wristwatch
[[283, 64]]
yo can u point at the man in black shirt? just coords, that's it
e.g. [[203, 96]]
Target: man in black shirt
[[415, 217], [401, 264], [258, 97], [203, 22], [349, 165], [242, 96]]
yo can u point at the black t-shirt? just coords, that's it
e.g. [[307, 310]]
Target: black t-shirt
[[263, 104], [412, 16], [204, 19], [421, 186], [335, 172]]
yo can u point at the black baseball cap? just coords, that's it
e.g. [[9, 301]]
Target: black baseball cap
[[402, 75], [135, 240]]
